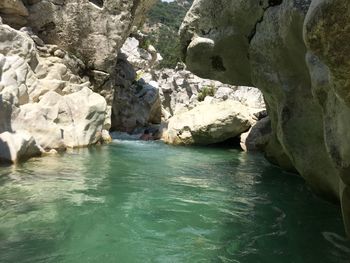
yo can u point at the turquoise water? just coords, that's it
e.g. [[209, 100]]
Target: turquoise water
[[149, 202]]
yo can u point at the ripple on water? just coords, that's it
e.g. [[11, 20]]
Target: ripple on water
[[136, 201]]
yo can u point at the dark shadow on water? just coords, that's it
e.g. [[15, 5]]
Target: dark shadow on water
[[288, 224], [229, 143]]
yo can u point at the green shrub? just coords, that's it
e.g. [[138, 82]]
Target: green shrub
[[145, 44], [206, 91]]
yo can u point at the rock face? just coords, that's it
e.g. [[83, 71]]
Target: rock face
[[45, 102], [297, 54], [93, 30], [64, 50], [63, 121], [208, 124], [136, 103], [14, 12]]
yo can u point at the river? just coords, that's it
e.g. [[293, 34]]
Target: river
[[134, 201]]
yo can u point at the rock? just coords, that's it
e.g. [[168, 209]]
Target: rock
[[27, 73], [140, 58], [326, 32], [19, 146], [136, 103], [94, 35], [296, 53], [105, 137], [257, 137], [13, 12], [6, 109], [180, 89], [57, 121], [208, 124]]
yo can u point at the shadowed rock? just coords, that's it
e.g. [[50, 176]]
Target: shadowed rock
[[297, 54]]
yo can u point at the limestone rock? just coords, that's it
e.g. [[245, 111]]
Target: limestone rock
[[180, 89], [17, 146], [92, 30], [208, 124], [57, 121]]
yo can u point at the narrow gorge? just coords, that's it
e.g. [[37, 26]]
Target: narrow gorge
[[174, 131]]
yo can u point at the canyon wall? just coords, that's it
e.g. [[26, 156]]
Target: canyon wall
[[58, 71], [297, 53]]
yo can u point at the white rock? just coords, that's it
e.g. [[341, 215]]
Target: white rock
[[17, 146], [57, 121], [208, 124]]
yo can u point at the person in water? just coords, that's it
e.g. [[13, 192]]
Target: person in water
[[146, 136]]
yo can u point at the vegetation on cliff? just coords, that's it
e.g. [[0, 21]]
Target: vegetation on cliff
[[163, 23]]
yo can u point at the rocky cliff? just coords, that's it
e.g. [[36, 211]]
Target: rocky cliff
[[53, 55], [297, 53]]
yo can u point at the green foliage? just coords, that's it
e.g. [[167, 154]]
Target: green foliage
[[145, 44], [166, 39], [169, 14], [206, 91], [167, 43]]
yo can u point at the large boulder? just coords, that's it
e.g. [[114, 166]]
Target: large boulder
[[208, 124], [74, 120], [19, 146], [297, 54]]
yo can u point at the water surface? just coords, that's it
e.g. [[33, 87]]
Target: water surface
[[149, 202]]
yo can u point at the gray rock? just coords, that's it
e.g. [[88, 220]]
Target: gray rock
[[92, 32], [297, 54]]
